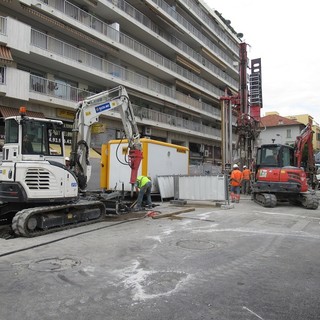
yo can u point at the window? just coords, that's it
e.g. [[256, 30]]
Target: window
[[34, 137], [288, 133], [11, 131]]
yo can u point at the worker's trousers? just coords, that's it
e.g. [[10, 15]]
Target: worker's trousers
[[145, 190], [235, 193], [245, 187]]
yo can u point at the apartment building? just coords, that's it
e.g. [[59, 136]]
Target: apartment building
[[176, 58]]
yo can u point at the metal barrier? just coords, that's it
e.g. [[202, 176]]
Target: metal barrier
[[210, 187]]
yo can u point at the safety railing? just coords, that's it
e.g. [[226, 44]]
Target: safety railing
[[53, 45], [98, 25]]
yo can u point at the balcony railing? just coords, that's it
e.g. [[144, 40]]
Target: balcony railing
[[53, 45], [198, 34], [57, 90], [213, 26], [66, 92], [3, 26], [98, 25], [178, 122]]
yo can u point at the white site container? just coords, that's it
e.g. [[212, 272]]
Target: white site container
[[159, 158]]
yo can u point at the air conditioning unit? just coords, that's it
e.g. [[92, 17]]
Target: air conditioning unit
[[147, 131], [206, 153]]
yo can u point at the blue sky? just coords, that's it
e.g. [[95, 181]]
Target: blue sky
[[284, 34]]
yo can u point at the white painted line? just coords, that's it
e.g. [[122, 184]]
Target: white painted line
[[245, 308], [286, 214], [155, 238], [298, 234]]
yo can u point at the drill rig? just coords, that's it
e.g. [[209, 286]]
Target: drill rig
[[38, 193], [247, 115]]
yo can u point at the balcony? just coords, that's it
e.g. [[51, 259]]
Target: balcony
[[171, 122], [187, 25], [57, 90], [205, 18], [71, 94], [115, 72], [98, 25]]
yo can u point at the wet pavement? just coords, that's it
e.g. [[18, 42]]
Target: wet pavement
[[198, 261]]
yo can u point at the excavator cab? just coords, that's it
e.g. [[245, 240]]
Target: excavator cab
[[275, 155], [33, 139], [32, 170]]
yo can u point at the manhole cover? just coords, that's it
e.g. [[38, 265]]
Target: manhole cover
[[196, 244], [54, 264]]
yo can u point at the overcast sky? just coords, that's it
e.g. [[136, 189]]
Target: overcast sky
[[285, 35]]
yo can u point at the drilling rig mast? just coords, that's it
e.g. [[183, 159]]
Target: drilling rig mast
[[247, 114]]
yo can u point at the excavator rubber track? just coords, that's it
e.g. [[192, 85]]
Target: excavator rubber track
[[309, 201], [267, 200], [38, 221]]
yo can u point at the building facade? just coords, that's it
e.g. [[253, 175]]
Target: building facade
[[175, 58], [305, 119], [279, 130]]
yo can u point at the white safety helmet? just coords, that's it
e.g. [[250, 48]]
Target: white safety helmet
[[235, 166], [67, 159], [244, 166]]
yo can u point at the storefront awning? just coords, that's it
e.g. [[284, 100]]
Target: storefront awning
[[6, 112], [5, 55]]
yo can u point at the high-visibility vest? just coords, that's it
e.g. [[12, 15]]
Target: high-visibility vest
[[246, 174], [141, 181], [236, 177]]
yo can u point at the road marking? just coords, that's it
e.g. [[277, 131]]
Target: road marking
[[286, 214], [298, 234], [155, 238], [245, 308], [300, 225]]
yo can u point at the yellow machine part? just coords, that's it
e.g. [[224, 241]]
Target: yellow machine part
[[105, 159]]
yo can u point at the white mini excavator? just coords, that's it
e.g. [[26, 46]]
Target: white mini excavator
[[38, 193]]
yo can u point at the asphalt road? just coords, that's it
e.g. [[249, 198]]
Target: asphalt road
[[242, 263]]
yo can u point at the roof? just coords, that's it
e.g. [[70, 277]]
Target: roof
[[274, 120], [6, 112]]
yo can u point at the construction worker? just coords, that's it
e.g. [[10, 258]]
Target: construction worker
[[245, 186], [143, 186], [235, 182]]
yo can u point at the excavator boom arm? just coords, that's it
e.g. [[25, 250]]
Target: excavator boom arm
[[88, 113]]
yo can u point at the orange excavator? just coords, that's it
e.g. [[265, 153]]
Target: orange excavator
[[281, 175]]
